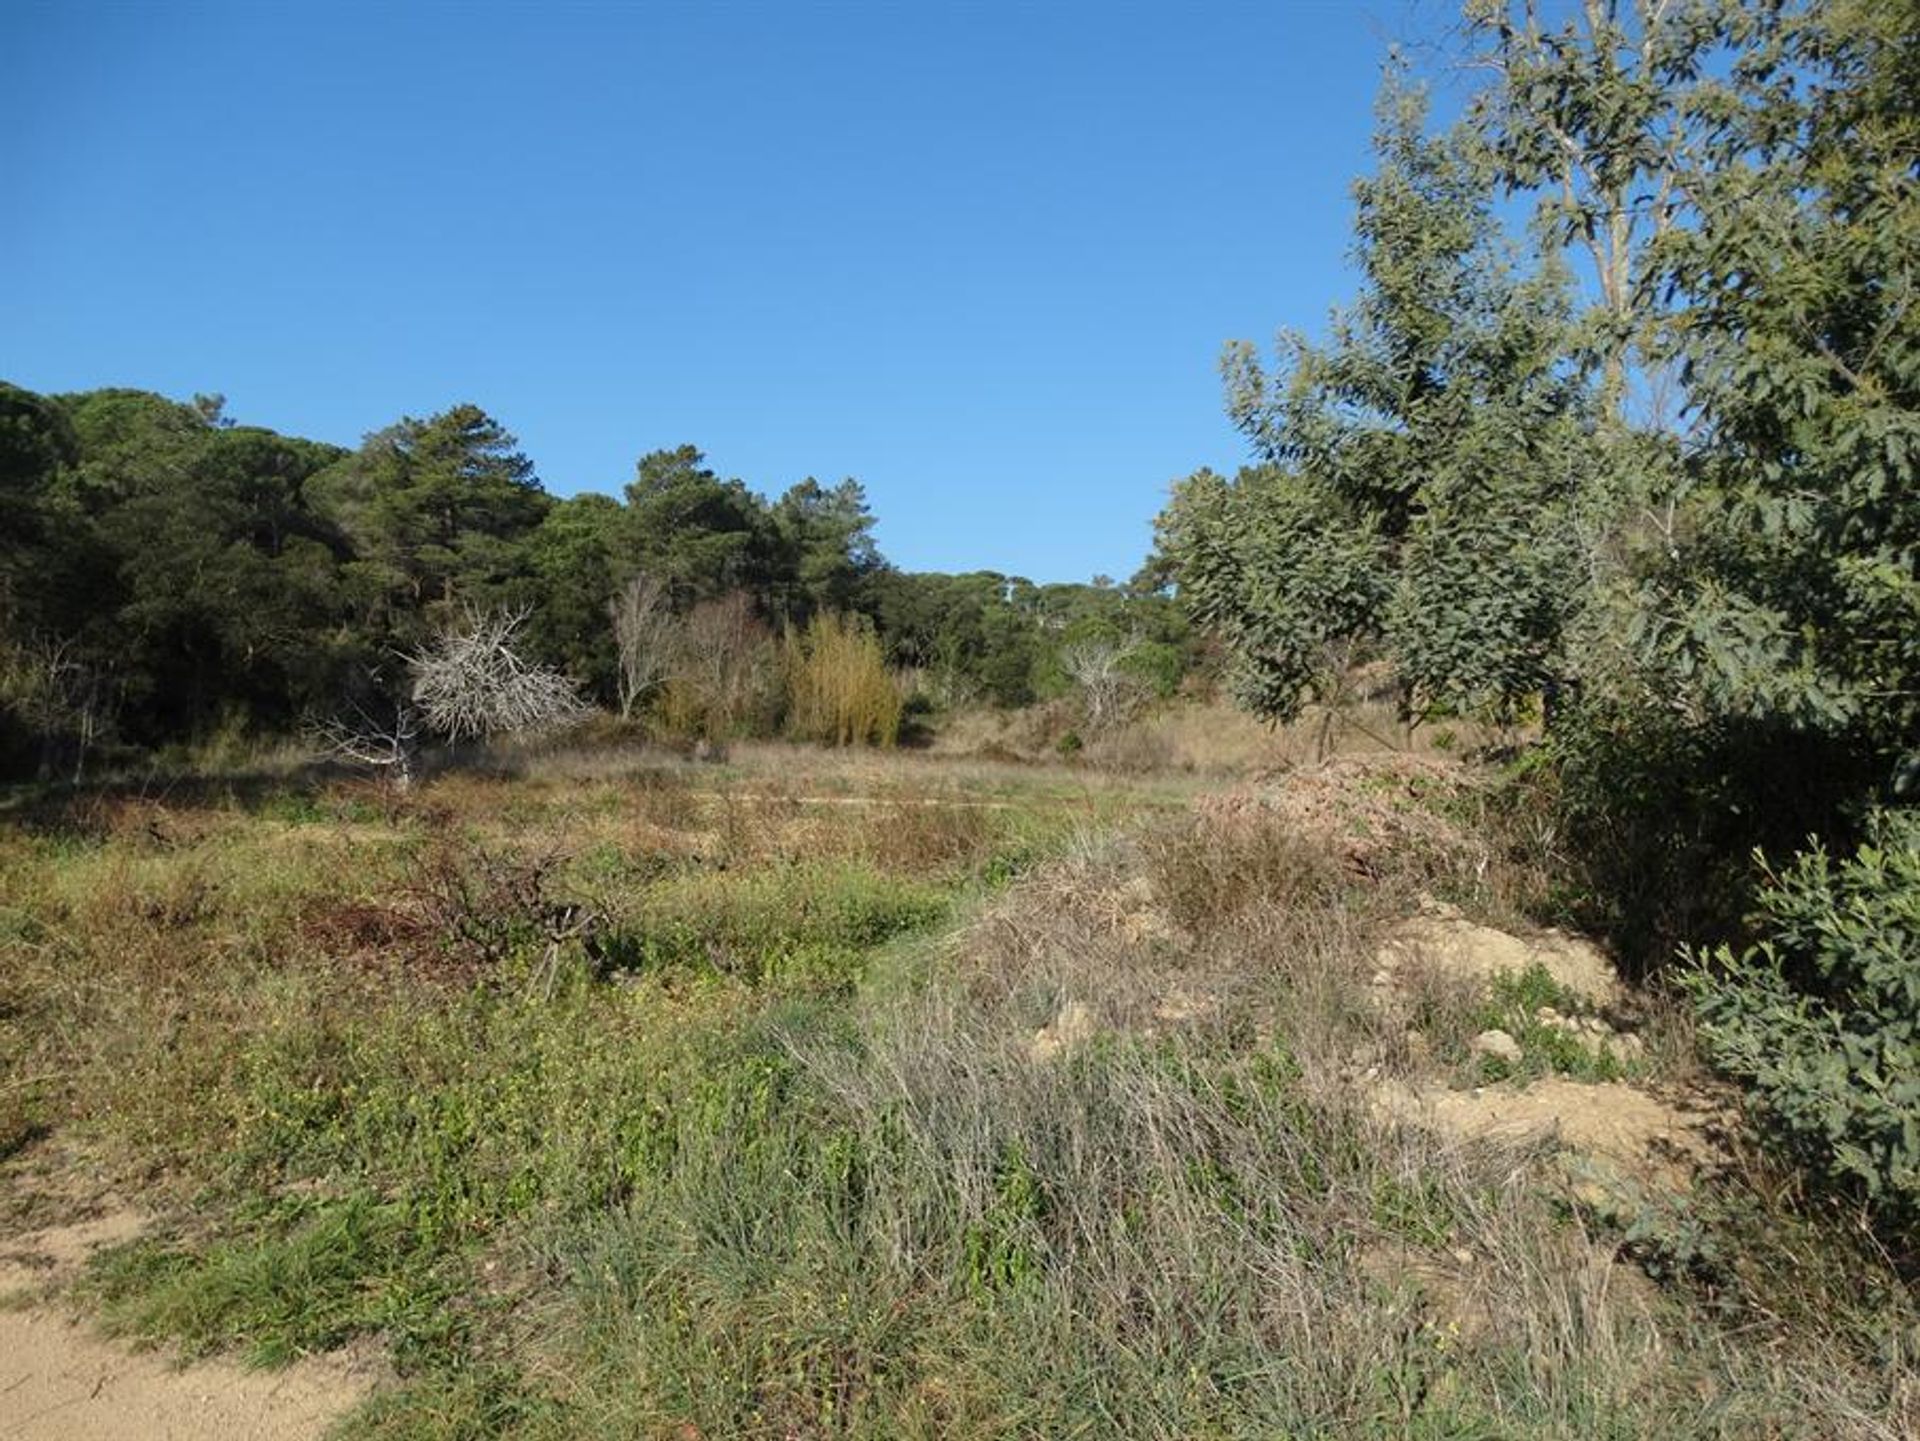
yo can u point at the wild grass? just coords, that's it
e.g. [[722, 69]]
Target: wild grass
[[876, 1119]]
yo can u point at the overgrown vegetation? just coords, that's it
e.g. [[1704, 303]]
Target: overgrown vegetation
[[1670, 514], [838, 686], [826, 1090], [1821, 1018], [623, 1101], [172, 579]]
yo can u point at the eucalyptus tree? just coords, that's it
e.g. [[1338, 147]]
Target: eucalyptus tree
[[1596, 112], [1795, 599], [1424, 480]]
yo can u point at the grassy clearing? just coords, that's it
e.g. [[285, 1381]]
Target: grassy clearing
[[650, 1100]]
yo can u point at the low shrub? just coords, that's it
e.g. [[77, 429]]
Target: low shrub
[[1821, 1019]]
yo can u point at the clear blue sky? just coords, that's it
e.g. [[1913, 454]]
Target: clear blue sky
[[981, 257]]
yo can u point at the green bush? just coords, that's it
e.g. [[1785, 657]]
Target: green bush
[[1821, 1019]]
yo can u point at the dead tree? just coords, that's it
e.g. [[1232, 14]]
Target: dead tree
[[388, 747], [470, 682], [643, 627], [65, 699], [1096, 666]]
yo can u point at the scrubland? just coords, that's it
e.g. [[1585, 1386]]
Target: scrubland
[[601, 1093]]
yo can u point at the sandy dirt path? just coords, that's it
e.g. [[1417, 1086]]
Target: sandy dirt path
[[59, 1381]]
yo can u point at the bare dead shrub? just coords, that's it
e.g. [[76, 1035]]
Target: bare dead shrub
[[371, 933], [71, 703], [722, 675], [484, 908], [1208, 871], [1098, 668], [387, 745], [912, 837], [1133, 749], [470, 682]]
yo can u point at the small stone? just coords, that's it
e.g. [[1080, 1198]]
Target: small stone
[[1497, 1044], [1463, 1255]]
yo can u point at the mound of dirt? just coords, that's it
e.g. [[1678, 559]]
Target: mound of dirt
[[1073, 1026], [1661, 1141], [1443, 940], [1363, 808]]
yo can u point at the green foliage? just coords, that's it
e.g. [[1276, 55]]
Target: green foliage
[[825, 550], [1002, 1248], [811, 923], [573, 558], [437, 510], [1797, 597], [710, 1191], [1821, 1019], [987, 636], [1593, 113], [36, 442], [701, 535], [1424, 476], [1512, 1002], [1288, 576], [167, 576], [309, 1277]]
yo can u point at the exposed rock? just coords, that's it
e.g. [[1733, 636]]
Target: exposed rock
[[1497, 1044], [1594, 1033]]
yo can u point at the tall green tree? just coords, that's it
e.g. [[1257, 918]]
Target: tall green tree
[[437, 511], [1794, 598], [1595, 112], [825, 552], [1424, 489], [37, 443], [574, 558], [232, 600], [703, 536]]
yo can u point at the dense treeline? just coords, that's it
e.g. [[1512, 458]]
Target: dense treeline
[[168, 576], [1671, 511]]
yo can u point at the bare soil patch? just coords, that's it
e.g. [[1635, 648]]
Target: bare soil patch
[[1443, 940], [59, 1381]]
